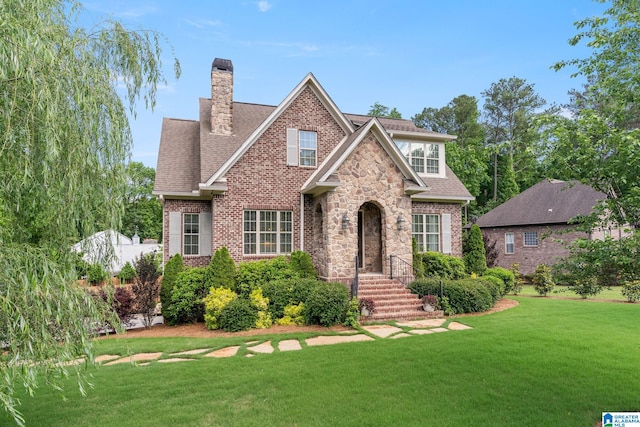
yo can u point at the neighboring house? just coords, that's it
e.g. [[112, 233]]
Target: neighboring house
[[113, 249], [533, 227], [268, 180]]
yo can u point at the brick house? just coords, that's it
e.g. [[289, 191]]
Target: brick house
[[268, 180], [533, 227]]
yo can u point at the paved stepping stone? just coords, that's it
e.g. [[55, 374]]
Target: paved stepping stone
[[107, 357], [424, 323], [175, 359], [265, 347], [455, 326], [190, 352], [249, 355], [421, 331], [140, 357], [402, 335], [439, 329], [252, 342], [289, 345], [224, 352], [381, 331], [337, 339]]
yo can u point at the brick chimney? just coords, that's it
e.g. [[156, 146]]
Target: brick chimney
[[222, 97]]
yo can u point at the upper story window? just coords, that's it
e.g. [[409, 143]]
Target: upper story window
[[302, 148], [425, 158]]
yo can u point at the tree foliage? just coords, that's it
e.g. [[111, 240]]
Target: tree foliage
[[63, 146], [474, 255], [146, 286], [142, 210], [379, 110]]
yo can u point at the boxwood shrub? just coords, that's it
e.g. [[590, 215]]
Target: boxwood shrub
[[238, 315], [326, 304], [284, 292], [443, 266], [507, 277], [426, 286], [256, 274], [463, 295]]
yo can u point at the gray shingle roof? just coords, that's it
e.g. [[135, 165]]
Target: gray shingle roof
[[178, 156], [547, 202], [445, 188]]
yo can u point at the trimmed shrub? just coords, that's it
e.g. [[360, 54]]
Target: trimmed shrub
[[256, 274], [475, 259], [293, 315], [507, 277], [494, 285], [352, 317], [518, 278], [171, 270], [214, 302], [425, 286], [127, 274], [585, 287], [260, 303], [443, 266], [542, 280], [238, 315], [96, 274], [302, 288], [326, 304], [187, 297], [221, 272], [280, 293], [301, 264], [631, 290]]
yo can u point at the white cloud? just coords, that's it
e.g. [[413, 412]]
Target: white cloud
[[264, 5], [202, 23]]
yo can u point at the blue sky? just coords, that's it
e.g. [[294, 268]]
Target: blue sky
[[403, 54]]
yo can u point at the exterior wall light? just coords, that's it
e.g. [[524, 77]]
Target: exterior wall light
[[400, 222], [345, 221]]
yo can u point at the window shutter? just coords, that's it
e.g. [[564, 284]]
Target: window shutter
[[204, 236], [446, 233], [292, 147], [175, 233]]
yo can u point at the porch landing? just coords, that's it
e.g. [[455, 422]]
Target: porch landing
[[392, 300]]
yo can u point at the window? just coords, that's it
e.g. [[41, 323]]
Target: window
[[191, 231], [308, 144], [267, 232], [509, 243], [425, 228], [531, 238], [423, 157]]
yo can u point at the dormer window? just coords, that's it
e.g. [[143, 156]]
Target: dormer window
[[425, 157]]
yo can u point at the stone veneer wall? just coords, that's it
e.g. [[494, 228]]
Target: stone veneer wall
[[221, 102], [367, 175], [456, 221], [183, 206], [548, 251]]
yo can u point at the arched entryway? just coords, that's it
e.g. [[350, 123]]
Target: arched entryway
[[370, 238]]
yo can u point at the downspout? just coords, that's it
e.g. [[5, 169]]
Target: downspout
[[301, 222]]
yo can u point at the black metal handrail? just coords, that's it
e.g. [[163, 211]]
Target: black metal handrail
[[354, 284], [404, 272]]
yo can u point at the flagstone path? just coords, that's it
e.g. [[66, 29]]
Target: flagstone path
[[253, 348]]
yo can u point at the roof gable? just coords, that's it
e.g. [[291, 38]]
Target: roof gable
[[547, 202], [309, 81]]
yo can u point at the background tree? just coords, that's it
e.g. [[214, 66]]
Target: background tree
[[510, 105], [146, 286], [64, 127], [142, 210], [379, 110]]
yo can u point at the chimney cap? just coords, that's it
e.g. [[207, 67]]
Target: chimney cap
[[220, 64]]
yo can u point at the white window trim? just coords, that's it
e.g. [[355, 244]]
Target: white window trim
[[524, 237], [258, 231], [424, 232], [441, 157], [185, 234], [506, 243]]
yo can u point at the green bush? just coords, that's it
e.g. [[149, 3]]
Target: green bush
[[352, 317], [475, 259], [443, 266], [293, 315], [301, 290], [171, 270], [96, 274], [326, 304], [187, 297], [255, 274], [214, 302], [425, 286], [284, 292], [506, 276], [127, 274], [542, 280], [261, 303], [301, 264], [494, 285], [586, 287], [518, 278], [238, 315], [631, 290], [221, 272]]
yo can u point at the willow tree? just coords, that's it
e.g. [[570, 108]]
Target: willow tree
[[64, 142]]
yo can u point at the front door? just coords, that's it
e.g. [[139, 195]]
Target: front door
[[370, 238]]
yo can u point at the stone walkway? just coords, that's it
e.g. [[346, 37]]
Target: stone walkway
[[253, 348]]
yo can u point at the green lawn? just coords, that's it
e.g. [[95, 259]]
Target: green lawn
[[547, 362], [612, 294]]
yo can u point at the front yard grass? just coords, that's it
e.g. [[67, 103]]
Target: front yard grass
[[611, 294], [547, 362]]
